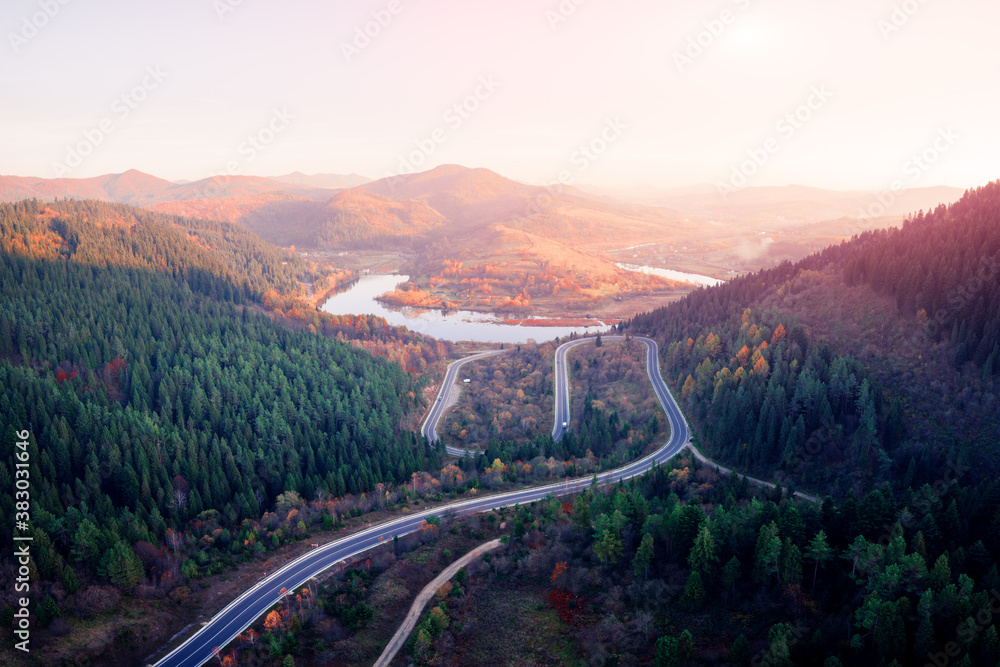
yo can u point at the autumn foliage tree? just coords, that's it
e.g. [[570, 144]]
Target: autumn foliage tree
[[274, 622]]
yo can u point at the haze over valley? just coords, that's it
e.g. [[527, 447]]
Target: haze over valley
[[471, 239]]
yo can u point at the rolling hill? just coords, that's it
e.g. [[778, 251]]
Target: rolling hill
[[130, 187], [353, 218], [166, 406], [223, 199], [215, 256], [434, 225], [886, 348], [140, 189], [868, 375]]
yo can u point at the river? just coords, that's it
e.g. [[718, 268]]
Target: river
[[455, 325], [693, 278]]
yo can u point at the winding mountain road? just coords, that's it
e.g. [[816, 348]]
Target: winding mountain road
[[441, 403], [561, 408], [241, 612]]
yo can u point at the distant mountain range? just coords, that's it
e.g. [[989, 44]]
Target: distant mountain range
[[140, 189], [329, 181], [454, 216], [792, 204]]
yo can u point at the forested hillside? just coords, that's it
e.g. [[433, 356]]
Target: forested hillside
[[184, 403], [796, 371], [218, 258], [149, 404], [944, 268], [867, 372], [509, 396], [684, 567]]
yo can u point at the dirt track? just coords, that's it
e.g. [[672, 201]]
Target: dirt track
[[424, 597]]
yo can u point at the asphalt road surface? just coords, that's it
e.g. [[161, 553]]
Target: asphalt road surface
[[560, 406], [429, 429], [242, 611]]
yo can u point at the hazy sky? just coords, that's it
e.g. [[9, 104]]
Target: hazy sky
[[201, 76]]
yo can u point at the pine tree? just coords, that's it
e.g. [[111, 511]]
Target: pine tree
[[703, 556], [666, 652], [924, 640], [731, 573], [643, 556], [819, 552], [685, 526], [890, 633], [581, 512], [70, 581], [694, 593], [990, 645], [779, 651], [685, 646], [121, 566], [739, 654], [790, 563], [919, 546], [87, 543], [940, 574], [767, 553], [608, 546], [48, 611]]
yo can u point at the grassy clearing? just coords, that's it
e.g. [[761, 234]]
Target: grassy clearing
[[615, 375], [509, 626]]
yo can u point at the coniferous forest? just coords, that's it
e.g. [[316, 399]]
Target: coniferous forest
[[943, 267], [770, 395], [909, 514], [162, 397], [562, 333], [189, 413]]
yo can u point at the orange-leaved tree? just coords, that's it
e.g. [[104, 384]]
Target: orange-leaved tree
[[274, 622]]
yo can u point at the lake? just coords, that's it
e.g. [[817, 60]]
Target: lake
[[454, 325]]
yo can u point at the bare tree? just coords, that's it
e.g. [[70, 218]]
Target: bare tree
[[178, 500]]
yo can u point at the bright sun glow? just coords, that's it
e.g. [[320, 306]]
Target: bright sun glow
[[752, 36]]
